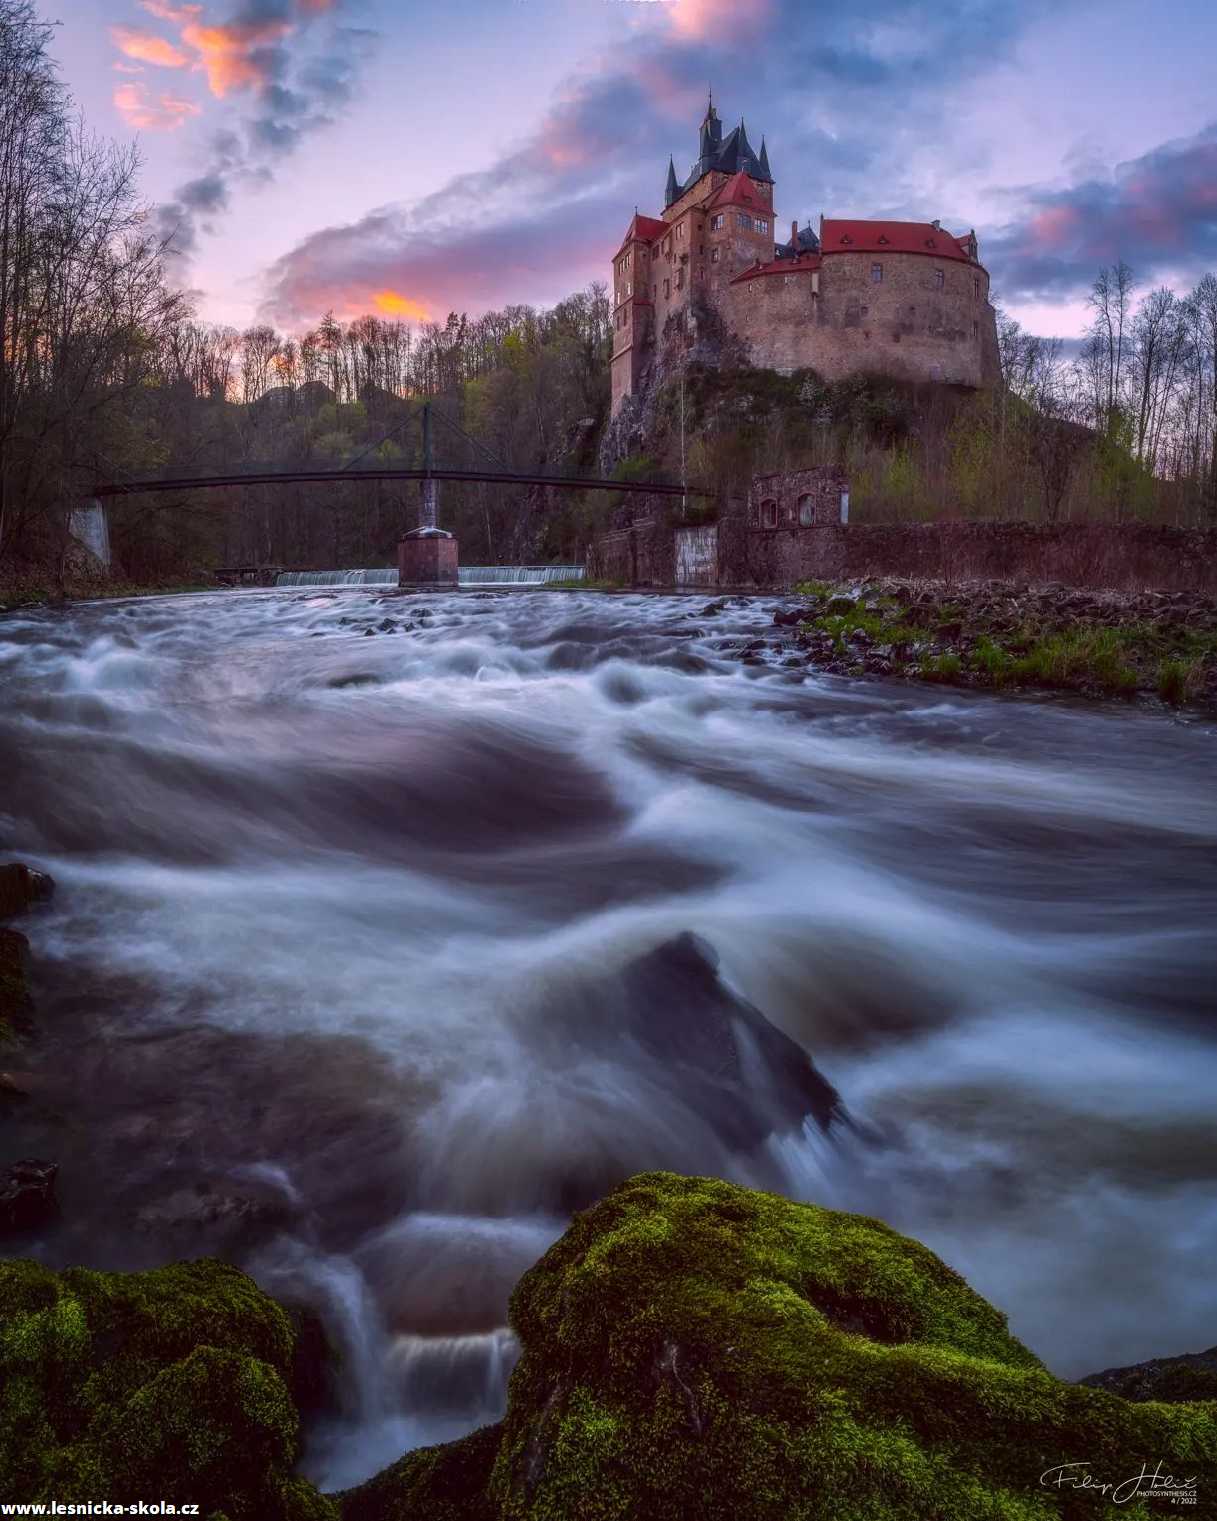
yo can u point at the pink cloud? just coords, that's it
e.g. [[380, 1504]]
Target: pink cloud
[[162, 115], [146, 47]]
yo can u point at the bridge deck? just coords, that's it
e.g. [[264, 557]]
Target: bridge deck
[[346, 477]]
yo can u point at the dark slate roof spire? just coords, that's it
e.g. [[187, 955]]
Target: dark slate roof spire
[[672, 189], [730, 155]]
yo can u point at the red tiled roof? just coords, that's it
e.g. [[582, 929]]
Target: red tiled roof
[[801, 265], [738, 191], [646, 228], [893, 237]]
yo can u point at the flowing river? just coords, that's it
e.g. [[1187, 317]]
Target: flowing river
[[365, 966]]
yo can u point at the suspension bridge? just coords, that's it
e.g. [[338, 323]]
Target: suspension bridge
[[427, 554]]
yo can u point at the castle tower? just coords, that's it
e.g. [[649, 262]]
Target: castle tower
[[715, 223]]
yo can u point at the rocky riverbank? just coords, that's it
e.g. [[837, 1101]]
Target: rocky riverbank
[[1004, 636]]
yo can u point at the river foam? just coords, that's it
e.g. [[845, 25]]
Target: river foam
[[333, 983]]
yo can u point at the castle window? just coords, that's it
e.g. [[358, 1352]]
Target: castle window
[[762, 225], [876, 274], [680, 278], [939, 279], [667, 245], [769, 513], [742, 219], [716, 223], [714, 255], [667, 289], [629, 289], [806, 510], [976, 286]]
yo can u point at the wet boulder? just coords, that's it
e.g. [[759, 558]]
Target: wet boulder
[[725, 1058], [691, 1348], [15, 1003], [21, 887]]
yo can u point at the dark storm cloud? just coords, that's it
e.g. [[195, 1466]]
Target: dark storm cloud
[[549, 209], [1158, 213]]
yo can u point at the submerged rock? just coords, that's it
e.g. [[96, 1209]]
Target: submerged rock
[[171, 1383], [695, 1349]]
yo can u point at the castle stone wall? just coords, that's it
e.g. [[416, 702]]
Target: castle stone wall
[[840, 322]]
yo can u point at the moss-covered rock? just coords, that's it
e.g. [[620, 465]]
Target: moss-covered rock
[[694, 1349], [166, 1384], [448, 1483], [1193, 1376]]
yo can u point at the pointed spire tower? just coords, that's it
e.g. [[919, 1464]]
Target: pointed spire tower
[[765, 170], [672, 189], [711, 139]]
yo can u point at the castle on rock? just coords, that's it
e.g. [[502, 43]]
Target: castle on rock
[[905, 299]]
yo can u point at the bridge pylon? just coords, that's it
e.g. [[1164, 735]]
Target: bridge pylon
[[427, 556]]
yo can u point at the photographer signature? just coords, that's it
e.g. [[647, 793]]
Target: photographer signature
[[1149, 1481]]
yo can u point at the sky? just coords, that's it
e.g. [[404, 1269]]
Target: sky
[[414, 158]]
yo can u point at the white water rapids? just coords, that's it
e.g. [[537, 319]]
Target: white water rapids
[[341, 981]]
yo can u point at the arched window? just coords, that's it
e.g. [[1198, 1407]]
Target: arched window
[[806, 510], [769, 513]]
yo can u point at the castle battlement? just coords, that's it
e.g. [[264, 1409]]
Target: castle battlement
[[906, 299]]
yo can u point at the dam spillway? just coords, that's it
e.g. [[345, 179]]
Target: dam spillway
[[469, 575]]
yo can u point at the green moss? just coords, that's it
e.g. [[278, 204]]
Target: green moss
[[169, 1383], [696, 1349], [447, 1483]]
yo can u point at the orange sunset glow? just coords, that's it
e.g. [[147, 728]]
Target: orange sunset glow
[[225, 52], [394, 305]]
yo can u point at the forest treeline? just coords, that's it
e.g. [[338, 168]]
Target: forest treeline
[[107, 374]]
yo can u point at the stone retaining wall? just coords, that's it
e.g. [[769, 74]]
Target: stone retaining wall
[[1099, 555]]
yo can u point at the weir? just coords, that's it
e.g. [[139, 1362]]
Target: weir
[[467, 575]]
